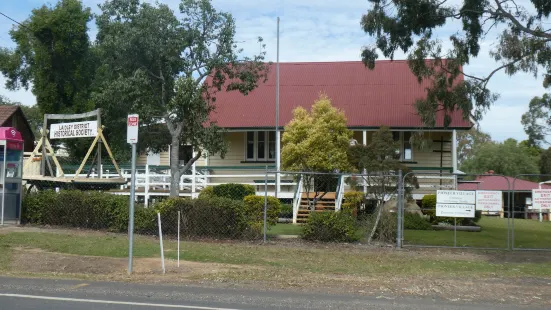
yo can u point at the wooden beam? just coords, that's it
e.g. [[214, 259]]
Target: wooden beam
[[100, 133], [72, 116], [88, 154], [51, 150]]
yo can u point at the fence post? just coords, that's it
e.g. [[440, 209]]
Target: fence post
[[399, 210], [266, 200], [146, 189]]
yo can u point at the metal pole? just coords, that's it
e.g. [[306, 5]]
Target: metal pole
[[131, 213], [399, 211], [178, 239], [266, 200], [4, 183], [161, 242], [454, 232], [278, 138]]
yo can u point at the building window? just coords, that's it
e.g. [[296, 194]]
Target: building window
[[404, 151], [260, 146]]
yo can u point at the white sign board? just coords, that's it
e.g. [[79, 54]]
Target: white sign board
[[74, 130], [454, 210], [541, 199], [461, 197], [132, 128], [489, 201]]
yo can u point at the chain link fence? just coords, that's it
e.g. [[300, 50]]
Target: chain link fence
[[373, 208]]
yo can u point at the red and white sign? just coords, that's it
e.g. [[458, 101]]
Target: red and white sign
[[489, 201], [132, 128], [541, 198]]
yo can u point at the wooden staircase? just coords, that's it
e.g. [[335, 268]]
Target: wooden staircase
[[326, 203]]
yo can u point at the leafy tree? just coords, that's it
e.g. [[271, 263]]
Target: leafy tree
[[545, 164], [537, 120], [379, 165], [523, 46], [316, 141], [468, 142], [52, 57], [508, 158], [168, 70]]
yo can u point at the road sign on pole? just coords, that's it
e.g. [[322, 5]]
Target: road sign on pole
[[132, 138]]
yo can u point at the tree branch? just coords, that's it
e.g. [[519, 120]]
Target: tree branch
[[514, 20], [190, 162]]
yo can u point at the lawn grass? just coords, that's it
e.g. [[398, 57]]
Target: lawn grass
[[294, 259], [527, 234], [285, 229], [5, 257]]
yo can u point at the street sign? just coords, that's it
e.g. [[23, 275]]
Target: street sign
[[461, 197], [74, 130], [132, 129], [454, 210], [541, 198], [489, 201]]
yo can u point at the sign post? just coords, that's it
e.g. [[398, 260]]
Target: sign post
[[132, 138]]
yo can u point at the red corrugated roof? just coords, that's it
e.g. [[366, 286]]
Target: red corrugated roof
[[369, 98], [500, 183]]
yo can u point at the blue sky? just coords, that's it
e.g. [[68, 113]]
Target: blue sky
[[328, 30]]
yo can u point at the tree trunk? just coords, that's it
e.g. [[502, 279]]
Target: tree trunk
[[376, 224], [175, 166]]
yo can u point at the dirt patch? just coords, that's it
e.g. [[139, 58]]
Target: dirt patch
[[38, 261]]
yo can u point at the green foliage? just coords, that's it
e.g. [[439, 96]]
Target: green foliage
[[90, 210], [469, 141], [170, 68], [316, 140], [53, 57], [353, 201], [522, 45], [508, 158], [207, 192], [286, 211], [545, 164], [537, 120], [254, 208], [331, 227], [415, 221], [233, 191], [379, 161]]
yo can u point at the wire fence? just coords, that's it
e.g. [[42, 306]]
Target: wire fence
[[377, 208]]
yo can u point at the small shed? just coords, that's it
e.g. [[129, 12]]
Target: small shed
[[12, 116], [521, 189]]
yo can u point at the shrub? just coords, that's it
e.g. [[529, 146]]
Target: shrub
[[386, 229], [233, 191], [331, 227], [353, 201], [219, 217], [415, 221], [286, 211], [73, 208], [254, 210], [207, 192]]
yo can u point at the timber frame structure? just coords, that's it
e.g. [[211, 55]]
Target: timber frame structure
[[44, 148]]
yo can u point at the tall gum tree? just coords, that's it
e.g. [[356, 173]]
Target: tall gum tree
[[524, 45], [169, 71]]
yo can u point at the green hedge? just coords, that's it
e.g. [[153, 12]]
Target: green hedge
[[331, 227], [82, 209], [415, 221], [233, 191], [353, 201]]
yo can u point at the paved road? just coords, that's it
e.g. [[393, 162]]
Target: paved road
[[16, 293]]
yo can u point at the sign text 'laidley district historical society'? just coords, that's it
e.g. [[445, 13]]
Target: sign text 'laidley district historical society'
[[74, 130]]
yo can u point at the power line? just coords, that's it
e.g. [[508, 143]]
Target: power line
[[13, 20]]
